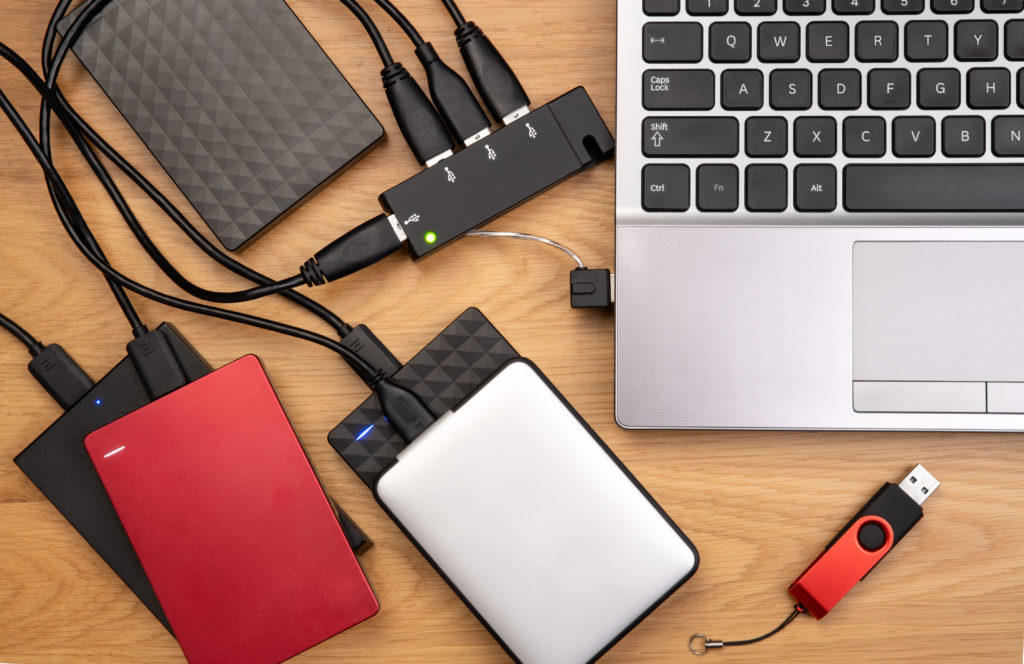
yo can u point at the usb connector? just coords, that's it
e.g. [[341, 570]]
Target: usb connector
[[919, 484], [60, 375], [493, 77]]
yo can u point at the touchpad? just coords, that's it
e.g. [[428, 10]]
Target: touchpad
[[944, 318]]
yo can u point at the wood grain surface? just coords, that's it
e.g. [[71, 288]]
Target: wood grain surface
[[758, 505]]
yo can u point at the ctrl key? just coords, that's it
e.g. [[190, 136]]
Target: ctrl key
[[666, 188]]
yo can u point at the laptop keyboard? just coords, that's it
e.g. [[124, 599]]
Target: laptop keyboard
[[798, 107]]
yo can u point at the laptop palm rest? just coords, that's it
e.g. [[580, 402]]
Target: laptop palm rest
[[937, 327]]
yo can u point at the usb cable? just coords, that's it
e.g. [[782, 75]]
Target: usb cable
[[52, 367]]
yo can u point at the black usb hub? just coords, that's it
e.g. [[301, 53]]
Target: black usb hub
[[497, 173]]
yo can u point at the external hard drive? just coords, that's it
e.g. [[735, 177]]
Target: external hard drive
[[515, 463], [229, 520], [458, 361], [59, 466], [57, 463], [234, 98]]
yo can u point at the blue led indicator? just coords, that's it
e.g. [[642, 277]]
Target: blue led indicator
[[98, 402], [364, 432]]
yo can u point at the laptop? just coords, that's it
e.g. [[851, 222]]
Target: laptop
[[818, 214]]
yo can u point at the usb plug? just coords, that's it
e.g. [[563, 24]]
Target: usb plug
[[919, 484], [59, 375]]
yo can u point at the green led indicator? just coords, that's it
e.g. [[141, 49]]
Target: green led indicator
[[430, 237]]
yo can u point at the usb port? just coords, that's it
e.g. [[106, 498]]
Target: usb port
[[919, 484]]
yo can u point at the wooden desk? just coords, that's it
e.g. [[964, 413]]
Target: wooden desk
[[759, 506]]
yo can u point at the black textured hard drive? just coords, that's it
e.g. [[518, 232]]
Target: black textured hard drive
[[235, 98], [446, 371]]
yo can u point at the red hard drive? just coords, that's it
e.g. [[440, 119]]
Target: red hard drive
[[231, 524]]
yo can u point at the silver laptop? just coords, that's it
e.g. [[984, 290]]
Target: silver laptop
[[818, 214]]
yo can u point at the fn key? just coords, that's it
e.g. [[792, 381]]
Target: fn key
[[666, 188]]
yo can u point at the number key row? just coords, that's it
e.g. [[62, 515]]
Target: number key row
[[817, 7]]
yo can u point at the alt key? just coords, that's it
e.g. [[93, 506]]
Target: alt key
[[666, 188]]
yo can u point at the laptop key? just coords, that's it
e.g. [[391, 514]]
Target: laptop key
[[913, 136], [853, 6], [839, 89], [661, 7], [864, 137], [766, 188], [828, 42], [814, 137], [934, 188], [666, 187], [926, 41], [673, 42], [691, 137], [707, 7], [679, 90], [988, 88], [814, 187], [755, 7], [963, 136], [742, 89], [729, 42], [1008, 136], [766, 137], [976, 40], [902, 6], [889, 89], [778, 42], [938, 88], [718, 188], [790, 89], [952, 6], [1000, 6], [1014, 44], [803, 6], [877, 41]]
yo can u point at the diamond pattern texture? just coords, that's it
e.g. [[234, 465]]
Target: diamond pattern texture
[[236, 100], [456, 362]]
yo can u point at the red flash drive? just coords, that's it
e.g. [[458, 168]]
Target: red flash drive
[[841, 566], [865, 540]]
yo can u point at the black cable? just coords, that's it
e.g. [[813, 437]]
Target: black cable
[[31, 343], [372, 31], [404, 23], [51, 33], [453, 9], [366, 371], [52, 367], [500, 90], [51, 68], [130, 314], [454, 101]]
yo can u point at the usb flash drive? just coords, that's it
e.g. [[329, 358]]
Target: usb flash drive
[[863, 542]]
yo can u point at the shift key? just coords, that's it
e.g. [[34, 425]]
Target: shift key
[[691, 137]]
